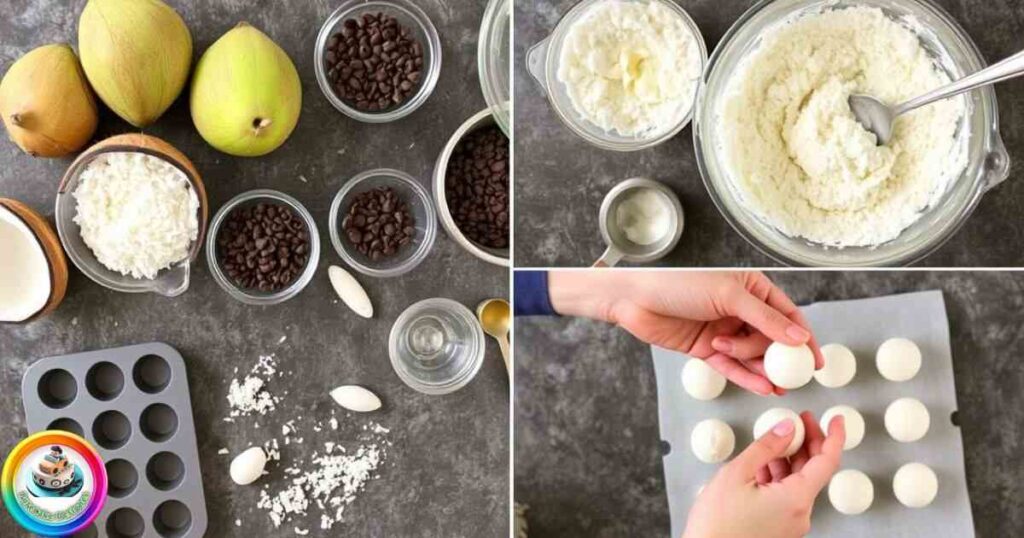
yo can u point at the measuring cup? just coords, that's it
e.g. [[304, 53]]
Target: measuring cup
[[620, 248]]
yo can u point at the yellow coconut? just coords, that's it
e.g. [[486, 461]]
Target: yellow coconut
[[246, 95], [137, 55], [46, 103]]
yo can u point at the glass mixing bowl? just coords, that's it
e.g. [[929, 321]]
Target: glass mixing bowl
[[420, 207], [542, 61], [408, 14], [169, 282], [255, 296], [494, 60], [988, 162]]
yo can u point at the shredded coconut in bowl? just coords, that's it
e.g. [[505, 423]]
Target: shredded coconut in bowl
[[136, 212], [798, 156]]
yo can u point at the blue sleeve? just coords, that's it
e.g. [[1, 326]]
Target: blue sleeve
[[531, 294]]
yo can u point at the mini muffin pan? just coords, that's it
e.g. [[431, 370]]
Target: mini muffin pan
[[132, 403], [862, 325]]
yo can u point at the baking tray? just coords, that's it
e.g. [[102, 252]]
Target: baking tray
[[132, 403], [862, 325]]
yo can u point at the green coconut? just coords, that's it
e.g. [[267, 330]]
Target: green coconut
[[136, 54], [246, 96]]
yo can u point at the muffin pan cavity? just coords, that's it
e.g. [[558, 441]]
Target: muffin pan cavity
[[105, 381], [111, 430], [57, 388], [125, 523], [172, 519], [133, 405], [152, 374], [65, 424], [165, 471], [122, 478], [159, 422]]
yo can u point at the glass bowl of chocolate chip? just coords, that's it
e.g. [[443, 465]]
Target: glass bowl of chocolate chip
[[379, 60], [382, 223], [263, 247], [471, 188]]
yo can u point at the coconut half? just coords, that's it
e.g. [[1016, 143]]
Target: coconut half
[[25, 280]]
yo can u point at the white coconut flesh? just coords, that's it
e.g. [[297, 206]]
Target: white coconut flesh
[[24, 270]]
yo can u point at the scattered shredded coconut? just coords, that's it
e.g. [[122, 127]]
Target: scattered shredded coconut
[[223, 452], [137, 213], [331, 485], [249, 396]]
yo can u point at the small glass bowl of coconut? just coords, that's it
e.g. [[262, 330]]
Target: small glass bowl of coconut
[[111, 247], [33, 270], [422, 31]]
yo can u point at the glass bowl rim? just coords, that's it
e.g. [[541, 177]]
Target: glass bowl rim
[[429, 235], [308, 272], [432, 72]]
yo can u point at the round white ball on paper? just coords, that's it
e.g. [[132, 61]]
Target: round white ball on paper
[[701, 381], [840, 366], [854, 423], [789, 367], [775, 415], [712, 441], [907, 420], [915, 485], [851, 492], [898, 359]]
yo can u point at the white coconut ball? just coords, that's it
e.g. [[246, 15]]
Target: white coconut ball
[[840, 366], [702, 381], [789, 367], [712, 441], [915, 485], [851, 492], [907, 420], [898, 359], [775, 415], [854, 424]]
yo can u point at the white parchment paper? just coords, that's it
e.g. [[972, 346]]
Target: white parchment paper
[[862, 325]]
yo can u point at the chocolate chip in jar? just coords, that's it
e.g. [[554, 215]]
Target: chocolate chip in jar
[[263, 247], [476, 187], [374, 62], [378, 223]]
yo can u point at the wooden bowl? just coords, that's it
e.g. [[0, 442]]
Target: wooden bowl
[[51, 248], [151, 145]]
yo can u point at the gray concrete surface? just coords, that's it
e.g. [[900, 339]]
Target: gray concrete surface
[[447, 473], [586, 421], [561, 179]]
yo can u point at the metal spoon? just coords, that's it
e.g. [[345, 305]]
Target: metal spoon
[[495, 318], [878, 117]]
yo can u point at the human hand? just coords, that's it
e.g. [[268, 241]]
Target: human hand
[[761, 494], [727, 318]]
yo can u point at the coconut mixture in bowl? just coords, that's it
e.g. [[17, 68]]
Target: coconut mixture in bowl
[[796, 153]]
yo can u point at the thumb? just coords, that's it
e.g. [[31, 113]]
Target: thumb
[[772, 445]]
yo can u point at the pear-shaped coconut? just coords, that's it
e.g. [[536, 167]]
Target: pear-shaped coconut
[[137, 55], [46, 103], [246, 95]]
